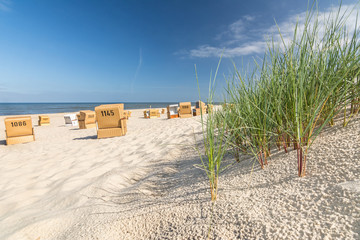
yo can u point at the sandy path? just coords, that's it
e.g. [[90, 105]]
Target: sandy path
[[253, 203], [48, 184]]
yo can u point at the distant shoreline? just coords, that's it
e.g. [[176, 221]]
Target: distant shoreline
[[16, 109]]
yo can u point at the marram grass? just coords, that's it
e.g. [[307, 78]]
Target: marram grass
[[214, 142], [294, 92]]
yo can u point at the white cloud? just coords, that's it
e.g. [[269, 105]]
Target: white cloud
[[245, 49], [236, 31], [287, 27], [5, 5], [249, 18], [237, 28], [238, 39]]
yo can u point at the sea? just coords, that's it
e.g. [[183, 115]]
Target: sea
[[41, 108]]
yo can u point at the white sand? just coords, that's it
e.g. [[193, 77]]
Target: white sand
[[70, 185]]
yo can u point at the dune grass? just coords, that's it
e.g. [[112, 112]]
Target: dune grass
[[300, 87], [297, 90], [214, 141], [293, 93]]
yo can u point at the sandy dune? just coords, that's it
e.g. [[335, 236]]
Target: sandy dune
[[69, 185]]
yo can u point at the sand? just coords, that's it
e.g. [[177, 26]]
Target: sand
[[70, 185]]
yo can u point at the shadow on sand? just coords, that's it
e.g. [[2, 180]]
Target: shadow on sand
[[86, 138]]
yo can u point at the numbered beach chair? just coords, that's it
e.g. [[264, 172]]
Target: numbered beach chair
[[172, 111], [71, 120], [154, 113], [19, 130], [185, 110], [111, 120], [86, 119], [119, 105], [44, 120]]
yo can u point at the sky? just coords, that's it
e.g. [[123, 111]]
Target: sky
[[133, 51]]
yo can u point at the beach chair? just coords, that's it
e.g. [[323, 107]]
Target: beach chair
[[111, 120], [19, 130], [172, 111], [44, 120], [146, 114], [120, 105], [200, 108], [185, 110], [199, 111], [200, 104], [86, 119], [154, 113], [71, 120]]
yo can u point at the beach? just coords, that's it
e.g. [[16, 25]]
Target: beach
[[70, 185]]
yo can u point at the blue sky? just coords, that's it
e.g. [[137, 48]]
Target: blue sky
[[131, 51]]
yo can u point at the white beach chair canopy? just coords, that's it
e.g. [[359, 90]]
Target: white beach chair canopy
[[173, 109], [71, 120]]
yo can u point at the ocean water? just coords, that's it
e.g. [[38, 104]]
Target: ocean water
[[41, 108]]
